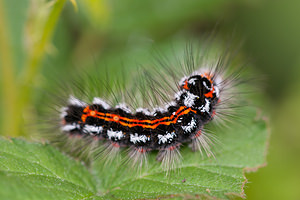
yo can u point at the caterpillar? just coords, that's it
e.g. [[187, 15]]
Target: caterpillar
[[199, 98]]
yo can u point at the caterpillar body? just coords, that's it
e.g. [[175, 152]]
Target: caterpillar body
[[198, 100]]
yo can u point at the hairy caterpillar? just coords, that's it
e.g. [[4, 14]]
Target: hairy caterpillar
[[201, 95]]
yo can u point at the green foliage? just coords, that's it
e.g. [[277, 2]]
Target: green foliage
[[37, 171]]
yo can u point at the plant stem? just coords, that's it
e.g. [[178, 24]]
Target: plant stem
[[9, 88], [34, 59]]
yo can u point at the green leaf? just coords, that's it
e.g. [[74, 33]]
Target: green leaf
[[37, 171]]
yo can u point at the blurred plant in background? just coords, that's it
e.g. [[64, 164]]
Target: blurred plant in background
[[43, 41]]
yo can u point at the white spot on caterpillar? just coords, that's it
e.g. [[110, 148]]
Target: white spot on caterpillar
[[190, 126], [192, 81], [124, 107], [179, 120], [92, 129], [178, 94], [101, 102], [205, 108], [189, 100], [115, 134], [172, 103], [70, 127], [217, 91], [204, 83], [143, 110], [158, 109], [63, 112], [182, 80], [138, 138], [76, 102], [166, 138]]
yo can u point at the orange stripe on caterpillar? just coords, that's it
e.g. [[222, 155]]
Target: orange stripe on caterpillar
[[210, 93], [117, 118], [93, 113], [185, 86]]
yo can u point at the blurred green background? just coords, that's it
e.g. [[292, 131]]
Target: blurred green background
[[43, 41]]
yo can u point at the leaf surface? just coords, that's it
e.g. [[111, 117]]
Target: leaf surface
[[36, 171]]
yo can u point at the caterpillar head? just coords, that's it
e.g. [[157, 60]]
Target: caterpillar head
[[198, 92]]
